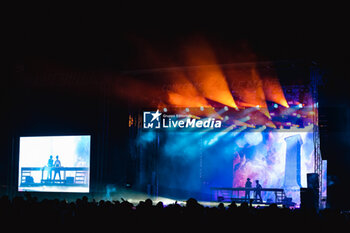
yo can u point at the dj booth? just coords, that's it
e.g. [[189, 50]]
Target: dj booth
[[78, 176], [238, 195]]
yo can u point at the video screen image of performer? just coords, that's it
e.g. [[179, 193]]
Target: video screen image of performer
[[49, 167], [56, 169]]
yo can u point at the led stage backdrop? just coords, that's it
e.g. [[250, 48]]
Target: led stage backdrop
[[193, 162], [54, 164]]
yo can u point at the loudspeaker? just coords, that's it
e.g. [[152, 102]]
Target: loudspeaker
[[309, 198], [69, 180], [29, 180], [312, 181]]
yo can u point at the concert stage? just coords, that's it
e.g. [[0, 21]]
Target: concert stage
[[269, 132], [197, 136]]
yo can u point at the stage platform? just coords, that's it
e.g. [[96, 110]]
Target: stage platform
[[79, 178], [62, 179], [224, 194]]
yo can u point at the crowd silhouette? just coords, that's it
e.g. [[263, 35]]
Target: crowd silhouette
[[122, 216]]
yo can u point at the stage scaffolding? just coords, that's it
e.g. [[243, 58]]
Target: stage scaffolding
[[316, 75]]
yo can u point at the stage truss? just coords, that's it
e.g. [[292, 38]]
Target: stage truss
[[316, 76]]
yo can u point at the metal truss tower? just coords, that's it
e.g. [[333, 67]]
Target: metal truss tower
[[316, 76]]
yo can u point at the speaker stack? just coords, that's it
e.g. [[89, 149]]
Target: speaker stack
[[309, 197]]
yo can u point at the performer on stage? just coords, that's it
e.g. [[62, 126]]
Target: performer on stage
[[57, 165], [248, 185], [258, 188]]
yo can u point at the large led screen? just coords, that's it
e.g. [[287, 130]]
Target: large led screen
[[194, 163], [54, 163]]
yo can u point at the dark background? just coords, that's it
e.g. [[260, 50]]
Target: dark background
[[88, 40]]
